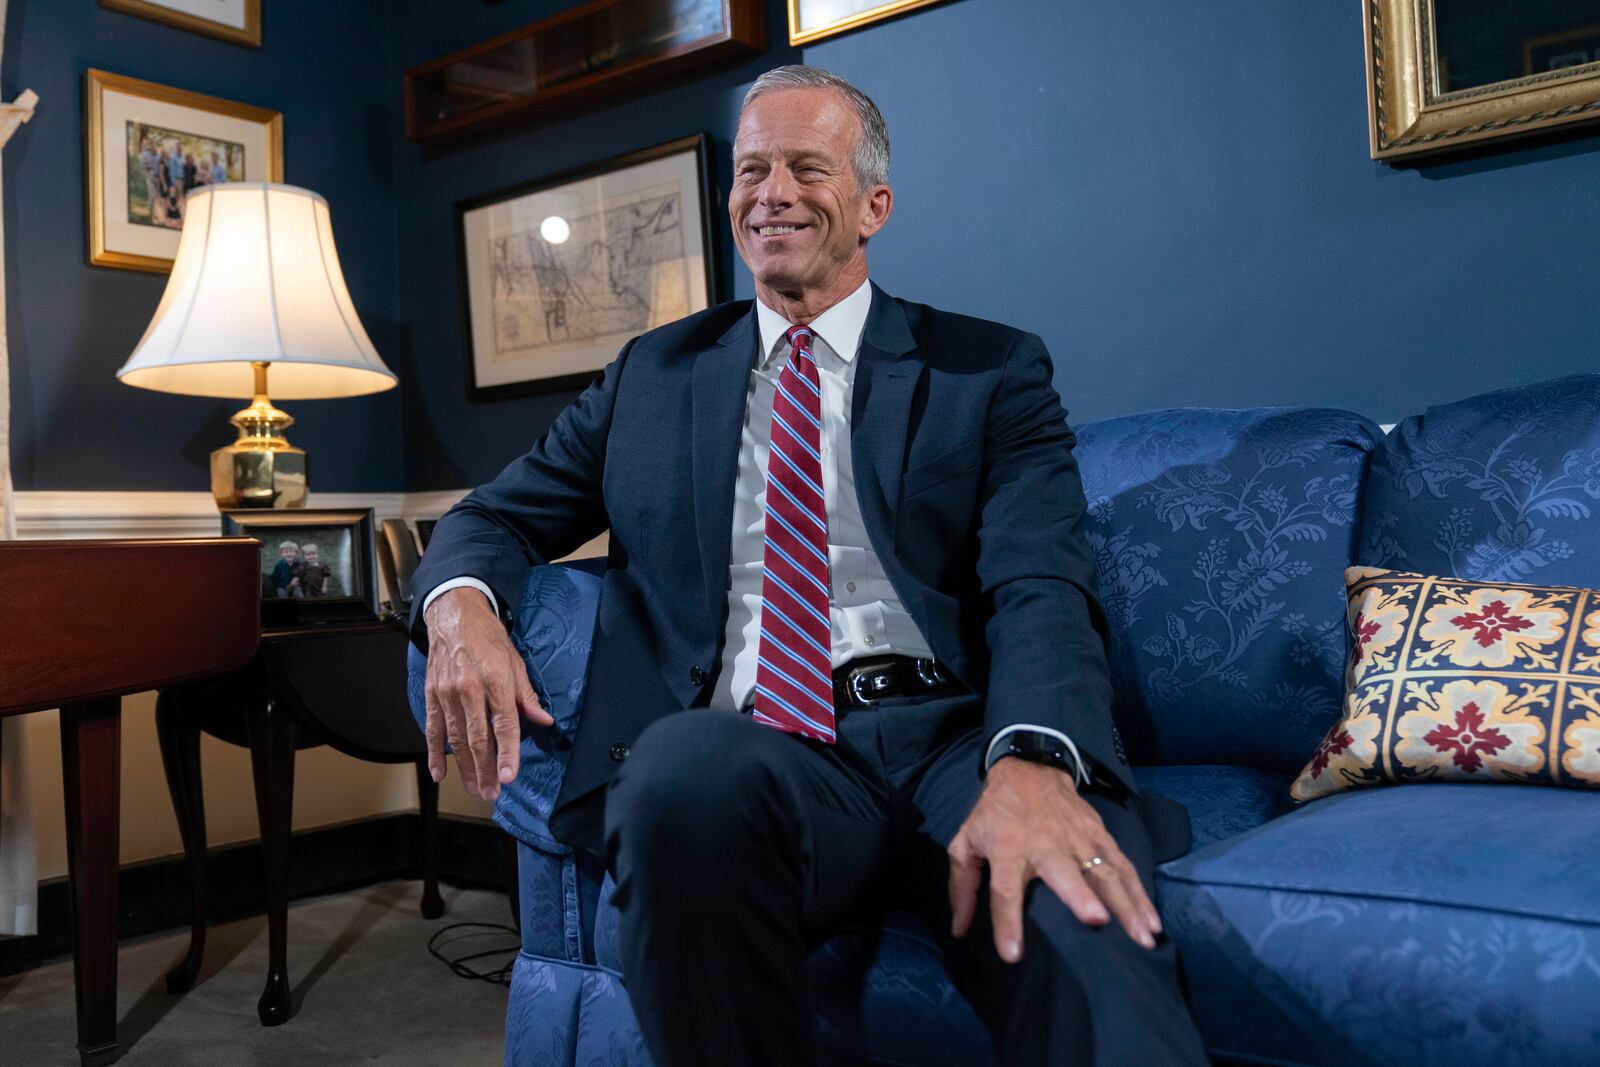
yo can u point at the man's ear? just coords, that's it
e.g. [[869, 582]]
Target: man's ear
[[875, 209]]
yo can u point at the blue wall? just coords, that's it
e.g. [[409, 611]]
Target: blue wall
[[327, 68], [1178, 197]]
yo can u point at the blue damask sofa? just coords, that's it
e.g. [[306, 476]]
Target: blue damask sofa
[[1450, 924]]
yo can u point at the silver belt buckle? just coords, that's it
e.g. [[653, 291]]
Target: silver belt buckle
[[861, 678]]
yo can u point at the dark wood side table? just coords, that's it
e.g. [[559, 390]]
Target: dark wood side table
[[84, 623], [340, 684]]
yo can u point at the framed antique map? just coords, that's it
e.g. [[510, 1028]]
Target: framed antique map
[[557, 274]]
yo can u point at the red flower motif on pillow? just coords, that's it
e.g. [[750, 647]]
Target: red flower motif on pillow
[[1333, 744], [1491, 622], [1365, 632], [1467, 738]]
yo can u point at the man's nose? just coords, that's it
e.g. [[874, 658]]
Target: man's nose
[[778, 190]]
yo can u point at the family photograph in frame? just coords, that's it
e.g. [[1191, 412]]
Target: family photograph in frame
[[317, 564], [148, 146], [557, 274]]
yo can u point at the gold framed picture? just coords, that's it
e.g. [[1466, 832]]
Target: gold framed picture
[[238, 21], [812, 20], [147, 146]]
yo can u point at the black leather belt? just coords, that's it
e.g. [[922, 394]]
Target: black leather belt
[[863, 682]]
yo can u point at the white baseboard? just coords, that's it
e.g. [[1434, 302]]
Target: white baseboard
[[50, 513]]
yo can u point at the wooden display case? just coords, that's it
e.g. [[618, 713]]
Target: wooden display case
[[593, 54]]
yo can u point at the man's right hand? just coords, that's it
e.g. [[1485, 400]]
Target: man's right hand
[[476, 687]]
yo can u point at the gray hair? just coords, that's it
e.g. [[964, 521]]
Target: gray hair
[[871, 157]]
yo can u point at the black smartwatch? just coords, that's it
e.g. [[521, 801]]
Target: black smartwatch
[[1036, 747]]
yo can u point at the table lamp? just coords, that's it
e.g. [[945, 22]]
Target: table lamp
[[256, 285]]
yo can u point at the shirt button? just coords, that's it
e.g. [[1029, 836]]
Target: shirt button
[[619, 751], [697, 676], [870, 640], [850, 587]]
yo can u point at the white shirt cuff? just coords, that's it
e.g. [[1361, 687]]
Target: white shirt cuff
[[996, 749], [459, 583]]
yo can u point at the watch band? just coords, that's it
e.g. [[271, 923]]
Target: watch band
[[1036, 746]]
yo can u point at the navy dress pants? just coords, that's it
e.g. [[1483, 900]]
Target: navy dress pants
[[737, 849]]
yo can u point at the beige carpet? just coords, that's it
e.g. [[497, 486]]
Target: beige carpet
[[365, 991]]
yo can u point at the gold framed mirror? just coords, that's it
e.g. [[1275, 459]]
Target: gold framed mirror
[[1444, 74]]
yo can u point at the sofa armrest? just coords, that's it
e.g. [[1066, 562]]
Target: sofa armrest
[[553, 628]]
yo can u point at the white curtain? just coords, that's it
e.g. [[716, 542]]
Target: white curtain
[[19, 863]]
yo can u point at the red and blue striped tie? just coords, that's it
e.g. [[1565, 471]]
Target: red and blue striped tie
[[794, 680]]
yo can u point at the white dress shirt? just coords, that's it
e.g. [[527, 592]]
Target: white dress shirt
[[868, 618]]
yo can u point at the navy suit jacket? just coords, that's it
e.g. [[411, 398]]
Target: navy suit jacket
[[967, 484]]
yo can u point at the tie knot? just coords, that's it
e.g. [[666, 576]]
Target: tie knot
[[800, 337]]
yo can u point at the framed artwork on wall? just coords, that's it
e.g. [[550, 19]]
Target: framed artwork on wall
[[557, 274], [238, 21], [1444, 75], [812, 20], [316, 563], [147, 145]]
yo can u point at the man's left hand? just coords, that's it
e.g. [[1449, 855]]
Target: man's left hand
[[1030, 823]]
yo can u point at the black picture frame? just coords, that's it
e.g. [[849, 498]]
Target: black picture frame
[[473, 258], [349, 560]]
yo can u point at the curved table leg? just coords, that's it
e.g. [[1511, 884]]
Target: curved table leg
[[272, 740], [91, 743], [178, 732], [428, 801]]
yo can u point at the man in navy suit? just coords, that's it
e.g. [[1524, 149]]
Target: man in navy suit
[[826, 478]]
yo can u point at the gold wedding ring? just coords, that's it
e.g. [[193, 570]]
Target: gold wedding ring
[[1091, 863]]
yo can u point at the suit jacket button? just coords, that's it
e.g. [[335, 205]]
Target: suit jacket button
[[619, 751], [697, 676]]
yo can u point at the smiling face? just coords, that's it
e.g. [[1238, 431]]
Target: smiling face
[[799, 221], [311, 554], [289, 552]]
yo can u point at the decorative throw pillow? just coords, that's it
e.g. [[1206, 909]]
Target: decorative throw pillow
[[1451, 680]]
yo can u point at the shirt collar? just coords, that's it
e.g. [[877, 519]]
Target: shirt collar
[[840, 327]]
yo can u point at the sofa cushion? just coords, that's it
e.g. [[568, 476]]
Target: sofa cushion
[[1498, 487], [1451, 923], [1470, 681], [1222, 801], [1222, 537]]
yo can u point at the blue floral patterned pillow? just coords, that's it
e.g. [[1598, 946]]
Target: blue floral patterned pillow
[[1452, 680]]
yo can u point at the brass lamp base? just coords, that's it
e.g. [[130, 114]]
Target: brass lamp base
[[243, 478], [261, 469]]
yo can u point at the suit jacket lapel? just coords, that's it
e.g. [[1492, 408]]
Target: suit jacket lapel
[[721, 383], [880, 415]]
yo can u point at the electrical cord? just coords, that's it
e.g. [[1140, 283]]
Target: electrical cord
[[500, 975]]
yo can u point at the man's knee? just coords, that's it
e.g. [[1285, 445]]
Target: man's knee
[[696, 786]]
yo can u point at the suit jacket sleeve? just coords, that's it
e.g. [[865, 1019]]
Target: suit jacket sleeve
[[543, 506], [1046, 631]]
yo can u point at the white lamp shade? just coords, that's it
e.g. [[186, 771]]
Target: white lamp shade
[[256, 280]]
